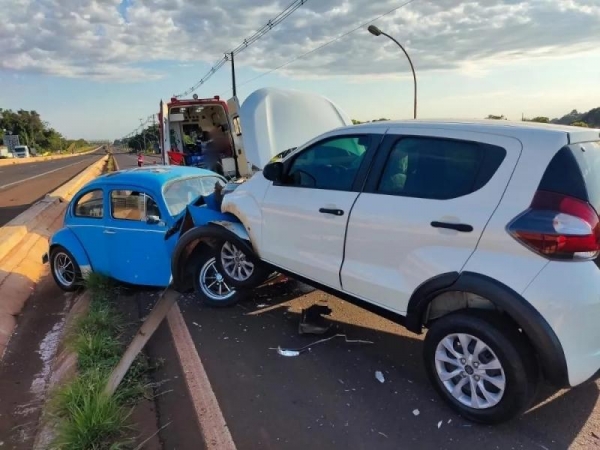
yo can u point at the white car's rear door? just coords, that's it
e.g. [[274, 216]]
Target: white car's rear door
[[426, 203]]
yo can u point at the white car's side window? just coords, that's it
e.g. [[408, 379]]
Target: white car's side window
[[330, 164], [435, 168]]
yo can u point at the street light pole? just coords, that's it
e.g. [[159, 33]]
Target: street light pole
[[377, 32]]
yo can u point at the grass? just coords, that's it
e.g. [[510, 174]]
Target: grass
[[86, 418]]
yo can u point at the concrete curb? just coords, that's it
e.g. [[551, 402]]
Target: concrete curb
[[15, 230], [23, 241], [12, 161], [63, 369]]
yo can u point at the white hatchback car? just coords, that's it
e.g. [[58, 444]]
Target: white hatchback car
[[485, 233]]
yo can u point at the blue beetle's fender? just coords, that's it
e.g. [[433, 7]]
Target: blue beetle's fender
[[67, 239]]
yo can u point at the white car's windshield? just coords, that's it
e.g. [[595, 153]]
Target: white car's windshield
[[179, 193]]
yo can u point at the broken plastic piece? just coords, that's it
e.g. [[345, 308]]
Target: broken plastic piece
[[288, 353], [379, 377], [307, 347], [440, 424], [416, 412]]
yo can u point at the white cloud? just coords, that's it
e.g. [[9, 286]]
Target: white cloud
[[93, 39]]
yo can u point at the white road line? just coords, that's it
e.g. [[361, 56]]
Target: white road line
[[210, 418], [37, 176]]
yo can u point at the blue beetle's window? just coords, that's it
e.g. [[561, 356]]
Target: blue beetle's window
[[133, 205], [90, 205]]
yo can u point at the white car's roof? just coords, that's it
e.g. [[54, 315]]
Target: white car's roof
[[504, 127]]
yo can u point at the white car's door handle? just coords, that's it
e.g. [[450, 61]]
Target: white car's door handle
[[334, 211], [110, 232]]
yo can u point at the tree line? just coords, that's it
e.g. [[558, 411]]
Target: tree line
[[590, 119], [35, 132]]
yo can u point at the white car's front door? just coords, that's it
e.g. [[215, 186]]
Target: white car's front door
[[305, 215], [426, 202]]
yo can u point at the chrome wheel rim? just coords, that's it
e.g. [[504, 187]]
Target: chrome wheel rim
[[470, 371], [212, 283], [64, 269], [235, 263]]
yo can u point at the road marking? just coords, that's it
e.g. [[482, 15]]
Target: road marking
[[37, 176], [210, 418]]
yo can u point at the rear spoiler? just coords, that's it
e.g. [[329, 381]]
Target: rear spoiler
[[584, 135]]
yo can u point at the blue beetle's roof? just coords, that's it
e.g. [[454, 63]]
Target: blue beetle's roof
[[154, 176]]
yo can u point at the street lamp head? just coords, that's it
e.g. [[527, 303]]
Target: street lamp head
[[374, 30]]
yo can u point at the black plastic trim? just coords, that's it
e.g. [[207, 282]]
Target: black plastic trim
[[533, 324], [423, 295]]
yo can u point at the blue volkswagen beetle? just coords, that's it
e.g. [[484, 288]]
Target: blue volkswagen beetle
[[126, 224]]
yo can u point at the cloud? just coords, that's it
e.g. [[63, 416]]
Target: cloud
[[116, 40]]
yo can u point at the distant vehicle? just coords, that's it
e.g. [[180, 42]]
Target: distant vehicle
[[5, 152], [22, 151]]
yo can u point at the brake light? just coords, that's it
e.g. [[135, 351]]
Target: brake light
[[558, 227]]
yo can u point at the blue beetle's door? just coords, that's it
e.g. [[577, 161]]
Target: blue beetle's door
[[137, 248], [87, 219]]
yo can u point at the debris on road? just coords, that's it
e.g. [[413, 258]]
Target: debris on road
[[416, 412], [379, 377], [313, 322], [288, 353], [440, 424], [285, 352]]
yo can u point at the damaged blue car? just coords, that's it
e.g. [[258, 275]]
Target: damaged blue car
[[127, 225]]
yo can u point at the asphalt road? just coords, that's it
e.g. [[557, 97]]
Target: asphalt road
[[21, 185], [328, 397], [128, 160]]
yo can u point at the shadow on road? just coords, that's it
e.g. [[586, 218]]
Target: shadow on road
[[328, 397]]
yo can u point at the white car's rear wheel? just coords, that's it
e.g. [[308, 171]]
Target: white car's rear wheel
[[65, 270], [481, 365]]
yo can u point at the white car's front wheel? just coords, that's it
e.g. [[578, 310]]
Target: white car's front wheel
[[481, 365], [240, 270]]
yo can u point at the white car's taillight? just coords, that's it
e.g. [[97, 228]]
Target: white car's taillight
[[559, 227]]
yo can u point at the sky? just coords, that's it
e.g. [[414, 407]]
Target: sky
[[94, 68]]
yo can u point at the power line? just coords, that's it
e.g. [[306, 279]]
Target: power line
[[246, 43], [314, 50]]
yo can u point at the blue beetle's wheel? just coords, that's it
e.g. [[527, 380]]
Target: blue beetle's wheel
[[210, 286], [64, 268]]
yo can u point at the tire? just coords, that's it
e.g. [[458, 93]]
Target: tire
[[205, 274], [252, 271], [504, 347], [65, 270]]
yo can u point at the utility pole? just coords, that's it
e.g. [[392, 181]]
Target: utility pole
[[143, 133], [233, 75]]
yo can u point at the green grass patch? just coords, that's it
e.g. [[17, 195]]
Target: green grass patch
[[86, 418]]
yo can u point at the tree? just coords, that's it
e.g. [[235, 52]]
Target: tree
[[580, 124], [32, 131], [493, 117], [539, 119]]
